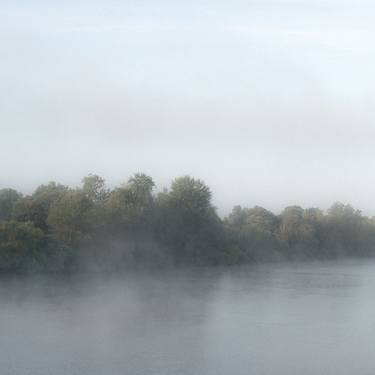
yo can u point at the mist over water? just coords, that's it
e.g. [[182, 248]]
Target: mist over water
[[314, 318], [255, 120]]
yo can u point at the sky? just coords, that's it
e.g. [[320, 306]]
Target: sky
[[270, 102]]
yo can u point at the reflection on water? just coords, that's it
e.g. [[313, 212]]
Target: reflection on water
[[273, 319]]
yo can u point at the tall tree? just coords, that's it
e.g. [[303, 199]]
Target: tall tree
[[94, 188], [296, 234], [188, 224], [8, 199], [69, 216], [35, 208], [129, 207]]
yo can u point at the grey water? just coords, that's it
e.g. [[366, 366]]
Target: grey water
[[311, 318]]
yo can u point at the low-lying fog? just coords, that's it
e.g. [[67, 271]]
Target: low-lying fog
[[272, 319]]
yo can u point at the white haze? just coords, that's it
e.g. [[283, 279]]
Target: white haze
[[269, 102]]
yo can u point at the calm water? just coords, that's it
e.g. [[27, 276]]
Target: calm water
[[295, 319]]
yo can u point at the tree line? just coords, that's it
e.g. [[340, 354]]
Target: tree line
[[59, 228]]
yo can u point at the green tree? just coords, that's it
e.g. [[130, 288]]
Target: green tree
[[187, 223], [252, 232], [8, 199], [35, 208], [129, 207], [23, 247], [343, 230], [69, 217], [94, 188], [296, 234]]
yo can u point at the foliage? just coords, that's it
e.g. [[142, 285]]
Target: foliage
[[23, 247], [187, 223], [35, 208], [8, 199], [57, 228], [69, 216]]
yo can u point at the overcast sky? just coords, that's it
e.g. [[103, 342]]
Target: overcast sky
[[270, 102]]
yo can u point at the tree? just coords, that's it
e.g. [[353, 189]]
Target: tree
[[94, 188], [69, 216], [187, 222], [8, 199], [252, 232], [343, 230], [35, 208], [297, 234], [127, 232], [23, 247], [131, 225], [191, 196], [129, 207]]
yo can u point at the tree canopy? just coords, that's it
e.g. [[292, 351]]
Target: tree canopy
[[61, 228]]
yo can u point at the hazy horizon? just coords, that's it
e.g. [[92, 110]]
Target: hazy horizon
[[268, 102]]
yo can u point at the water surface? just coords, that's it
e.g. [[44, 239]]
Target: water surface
[[316, 318]]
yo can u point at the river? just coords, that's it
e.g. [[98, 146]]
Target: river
[[285, 319]]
